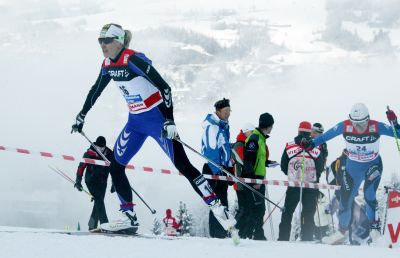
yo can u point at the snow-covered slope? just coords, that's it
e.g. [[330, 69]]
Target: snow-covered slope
[[46, 245], [298, 60]]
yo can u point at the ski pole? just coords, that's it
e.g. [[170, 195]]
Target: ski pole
[[153, 211], [228, 173], [330, 201], [319, 221], [270, 214], [271, 223], [301, 186], [386, 208], [107, 161], [66, 177], [95, 147], [394, 132]]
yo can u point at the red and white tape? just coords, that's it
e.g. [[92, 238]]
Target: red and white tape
[[170, 172]]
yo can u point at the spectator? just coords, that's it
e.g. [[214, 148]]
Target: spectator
[[242, 193], [171, 226], [96, 181], [313, 160], [255, 163], [216, 147]]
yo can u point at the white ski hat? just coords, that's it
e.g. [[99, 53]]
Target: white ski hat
[[359, 113], [113, 31], [247, 127]]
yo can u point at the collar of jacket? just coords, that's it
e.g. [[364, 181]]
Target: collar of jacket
[[215, 120], [266, 136]]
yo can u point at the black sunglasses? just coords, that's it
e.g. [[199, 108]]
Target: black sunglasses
[[105, 40]]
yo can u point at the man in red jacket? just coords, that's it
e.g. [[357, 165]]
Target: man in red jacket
[[242, 195]]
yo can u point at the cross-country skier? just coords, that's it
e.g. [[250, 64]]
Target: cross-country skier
[[149, 101], [364, 163]]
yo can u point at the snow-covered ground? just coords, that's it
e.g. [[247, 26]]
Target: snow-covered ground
[[299, 60], [45, 245]]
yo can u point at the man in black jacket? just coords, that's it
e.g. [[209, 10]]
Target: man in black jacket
[[293, 158], [96, 181]]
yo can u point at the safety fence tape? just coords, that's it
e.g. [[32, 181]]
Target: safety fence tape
[[170, 172]]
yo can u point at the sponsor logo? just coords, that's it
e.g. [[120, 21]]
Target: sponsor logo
[[396, 199], [297, 165], [135, 101], [374, 175], [118, 73], [135, 98], [291, 152], [122, 143], [252, 146], [167, 98], [372, 128], [148, 69], [349, 128], [126, 56], [362, 139], [394, 236], [136, 105], [345, 183], [124, 90], [199, 180]]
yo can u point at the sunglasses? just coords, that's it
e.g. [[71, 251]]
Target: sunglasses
[[105, 40]]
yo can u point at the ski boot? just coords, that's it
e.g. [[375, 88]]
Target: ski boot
[[222, 214], [226, 220], [127, 224], [374, 232]]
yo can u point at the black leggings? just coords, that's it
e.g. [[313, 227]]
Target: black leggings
[[181, 162]]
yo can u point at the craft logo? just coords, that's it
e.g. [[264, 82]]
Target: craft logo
[[396, 199]]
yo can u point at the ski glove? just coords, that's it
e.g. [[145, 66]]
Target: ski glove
[[307, 144], [272, 163], [169, 129], [78, 183], [79, 121], [391, 116]]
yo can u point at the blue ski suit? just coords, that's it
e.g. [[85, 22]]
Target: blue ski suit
[[363, 164], [149, 101]]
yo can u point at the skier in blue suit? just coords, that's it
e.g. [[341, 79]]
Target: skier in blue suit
[[149, 101], [363, 163]]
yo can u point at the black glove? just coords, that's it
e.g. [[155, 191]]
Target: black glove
[[272, 163], [78, 183], [307, 144], [112, 190], [79, 121], [169, 129]]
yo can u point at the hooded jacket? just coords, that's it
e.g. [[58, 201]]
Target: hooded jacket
[[215, 142]]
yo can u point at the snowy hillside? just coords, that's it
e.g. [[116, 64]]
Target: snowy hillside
[[299, 60]]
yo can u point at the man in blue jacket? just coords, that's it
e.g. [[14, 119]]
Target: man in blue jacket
[[215, 146]]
